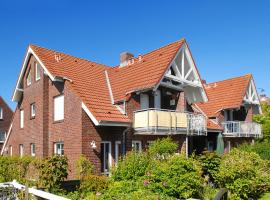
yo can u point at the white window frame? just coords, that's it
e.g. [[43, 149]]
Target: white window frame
[[21, 149], [61, 151], [1, 113], [134, 142], [21, 118], [110, 157], [117, 151], [33, 149], [5, 135], [38, 71], [33, 110], [29, 78], [59, 108]]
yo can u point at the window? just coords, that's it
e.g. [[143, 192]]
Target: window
[[106, 157], [21, 150], [33, 149], [10, 150], [144, 101], [210, 146], [21, 119], [37, 66], [59, 108], [28, 81], [1, 113], [136, 145], [33, 110], [118, 150], [59, 148], [2, 137]]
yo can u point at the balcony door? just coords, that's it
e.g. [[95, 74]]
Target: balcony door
[[106, 157], [144, 100], [157, 99]]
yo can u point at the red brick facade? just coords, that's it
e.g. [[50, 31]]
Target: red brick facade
[[5, 120]]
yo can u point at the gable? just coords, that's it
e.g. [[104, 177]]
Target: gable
[[251, 95], [182, 74]]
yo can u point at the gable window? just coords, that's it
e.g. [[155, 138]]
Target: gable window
[[38, 71], [21, 150], [1, 113], [136, 145], [21, 118], [33, 149], [59, 108], [29, 78], [59, 148], [33, 110]]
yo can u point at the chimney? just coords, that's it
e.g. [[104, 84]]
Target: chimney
[[204, 82], [124, 58]]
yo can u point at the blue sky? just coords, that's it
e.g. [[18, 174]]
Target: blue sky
[[227, 38]]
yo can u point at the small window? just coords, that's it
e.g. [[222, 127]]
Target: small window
[[59, 148], [21, 118], [33, 149], [37, 66], [33, 110], [2, 137], [21, 150], [59, 108], [136, 145], [29, 78], [1, 113]]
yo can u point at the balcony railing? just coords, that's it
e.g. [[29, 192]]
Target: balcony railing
[[242, 129], [164, 122]]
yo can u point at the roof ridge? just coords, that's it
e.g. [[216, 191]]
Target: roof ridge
[[151, 51], [33, 45], [249, 76]]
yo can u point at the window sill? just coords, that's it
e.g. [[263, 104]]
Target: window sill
[[58, 121]]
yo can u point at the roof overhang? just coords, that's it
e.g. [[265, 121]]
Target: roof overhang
[[18, 89]]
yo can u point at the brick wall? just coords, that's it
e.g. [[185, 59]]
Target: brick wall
[[7, 117]]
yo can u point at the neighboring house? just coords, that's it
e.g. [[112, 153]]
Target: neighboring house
[[230, 109], [67, 105], [264, 99], [5, 119]]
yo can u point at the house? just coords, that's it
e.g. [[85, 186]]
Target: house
[[5, 119], [67, 105], [231, 105], [72, 106]]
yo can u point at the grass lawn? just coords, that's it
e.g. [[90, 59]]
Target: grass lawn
[[265, 197]]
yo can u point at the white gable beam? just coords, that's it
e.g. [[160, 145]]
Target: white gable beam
[[176, 70], [189, 72]]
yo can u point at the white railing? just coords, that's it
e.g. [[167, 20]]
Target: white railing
[[242, 129], [163, 122], [31, 191]]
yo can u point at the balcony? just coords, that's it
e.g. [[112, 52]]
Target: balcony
[[168, 122], [242, 129]]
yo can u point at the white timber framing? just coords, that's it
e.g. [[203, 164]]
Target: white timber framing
[[251, 95], [182, 75]]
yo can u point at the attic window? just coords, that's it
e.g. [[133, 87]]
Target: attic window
[[1, 113], [37, 71], [28, 81]]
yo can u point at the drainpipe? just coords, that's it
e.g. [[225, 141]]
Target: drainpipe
[[187, 146]]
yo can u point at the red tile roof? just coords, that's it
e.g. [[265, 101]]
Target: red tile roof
[[225, 94], [88, 78]]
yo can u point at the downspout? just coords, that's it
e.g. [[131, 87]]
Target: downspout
[[124, 137]]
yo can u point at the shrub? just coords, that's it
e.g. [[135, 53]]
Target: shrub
[[245, 174], [177, 177], [162, 148], [261, 148], [84, 167], [132, 166], [52, 171], [210, 162], [94, 183]]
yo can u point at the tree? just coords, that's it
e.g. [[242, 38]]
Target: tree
[[264, 120]]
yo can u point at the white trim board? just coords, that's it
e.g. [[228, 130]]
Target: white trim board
[[30, 52]]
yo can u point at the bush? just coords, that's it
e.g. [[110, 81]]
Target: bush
[[162, 148], [94, 183], [84, 167], [177, 177], [245, 174], [261, 148], [210, 162], [52, 171], [132, 166], [16, 168]]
